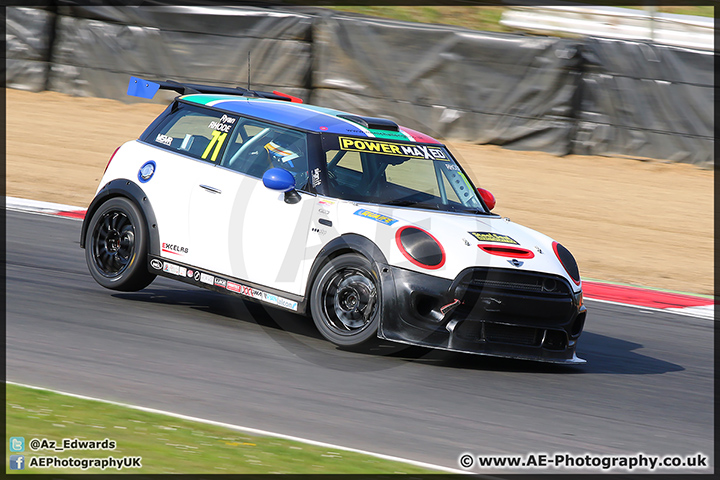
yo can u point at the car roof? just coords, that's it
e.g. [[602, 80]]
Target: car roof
[[304, 116]]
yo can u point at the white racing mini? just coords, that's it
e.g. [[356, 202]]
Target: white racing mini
[[371, 228]]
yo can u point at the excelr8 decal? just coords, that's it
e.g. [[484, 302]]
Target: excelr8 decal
[[172, 248], [388, 148]]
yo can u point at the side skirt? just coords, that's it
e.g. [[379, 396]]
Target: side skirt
[[225, 284]]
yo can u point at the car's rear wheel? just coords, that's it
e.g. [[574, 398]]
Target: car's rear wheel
[[116, 246], [346, 301]]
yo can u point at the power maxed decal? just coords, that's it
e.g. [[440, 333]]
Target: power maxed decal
[[493, 237], [387, 148], [385, 220]]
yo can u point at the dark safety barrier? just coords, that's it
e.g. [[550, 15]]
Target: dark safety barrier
[[646, 100], [456, 83], [590, 96], [28, 36]]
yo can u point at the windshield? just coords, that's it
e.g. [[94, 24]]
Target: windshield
[[401, 174]]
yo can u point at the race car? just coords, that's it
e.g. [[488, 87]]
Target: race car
[[371, 228]]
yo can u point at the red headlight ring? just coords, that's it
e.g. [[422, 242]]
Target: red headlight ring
[[407, 255]]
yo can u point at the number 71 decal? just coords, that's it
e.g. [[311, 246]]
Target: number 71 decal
[[216, 140]]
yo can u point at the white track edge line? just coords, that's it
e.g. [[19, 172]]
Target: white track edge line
[[653, 309], [246, 429], [44, 214]]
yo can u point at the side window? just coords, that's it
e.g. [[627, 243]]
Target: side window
[[255, 147], [450, 191], [345, 171], [194, 131]]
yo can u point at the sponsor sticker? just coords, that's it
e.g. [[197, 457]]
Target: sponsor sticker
[[284, 302], [164, 139], [385, 220], [389, 148], [453, 167], [172, 248], [156, 264], [316, 177], [190, 273], [174, 269], [326, 202], [493, 237], [270, 298], [247, 291]]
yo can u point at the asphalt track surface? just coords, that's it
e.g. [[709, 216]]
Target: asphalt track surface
[[647, 386]]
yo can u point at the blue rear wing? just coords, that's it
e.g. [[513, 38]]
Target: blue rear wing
[[142, 88], [138, 87]]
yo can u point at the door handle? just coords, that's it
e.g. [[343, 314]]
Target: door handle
[[211, 189]]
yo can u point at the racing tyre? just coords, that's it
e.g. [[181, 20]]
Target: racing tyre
[[116, 246], [346, 302]]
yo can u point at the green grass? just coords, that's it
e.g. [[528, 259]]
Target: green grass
[[480, 17], [167, 444], [485, 18]]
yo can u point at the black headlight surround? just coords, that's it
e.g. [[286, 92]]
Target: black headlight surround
[[568, 262], [420, 247]]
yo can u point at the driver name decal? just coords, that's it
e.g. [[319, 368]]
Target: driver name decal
[[387, 148]]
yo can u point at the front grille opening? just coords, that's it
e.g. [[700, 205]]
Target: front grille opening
[[555, 340], [517, 282], [550, 285], [578, 325], [513, 335]]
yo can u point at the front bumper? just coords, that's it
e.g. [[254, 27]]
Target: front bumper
[[488, 311]]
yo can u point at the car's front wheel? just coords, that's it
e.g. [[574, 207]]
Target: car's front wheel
[[346, 301], [116, 246]]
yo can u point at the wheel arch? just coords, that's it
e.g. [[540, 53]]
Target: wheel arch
[[122, 187], [347, 243]]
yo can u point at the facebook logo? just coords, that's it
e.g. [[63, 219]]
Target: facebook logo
[[17, 462], [17, 444]]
